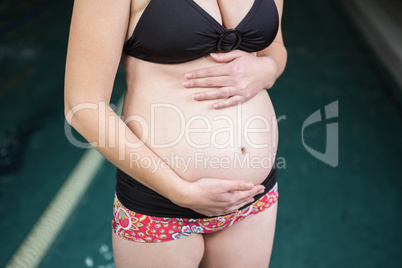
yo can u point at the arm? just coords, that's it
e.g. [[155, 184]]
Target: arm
[[276, 54], [97, 35], [244, 75]]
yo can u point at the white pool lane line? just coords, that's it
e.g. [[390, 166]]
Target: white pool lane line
[[37, 243]]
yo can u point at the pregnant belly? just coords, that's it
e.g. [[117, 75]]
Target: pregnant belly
[[196, 141]]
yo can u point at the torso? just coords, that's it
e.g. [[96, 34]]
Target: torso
[[155, 94]]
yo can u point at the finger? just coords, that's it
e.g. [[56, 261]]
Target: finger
[[239, 186], [219, 93], [244, 202], [235, 207], [260, 189], [226, 57], [238, 199], [234, 100], [241, 196], [218, 81], [220, 70]]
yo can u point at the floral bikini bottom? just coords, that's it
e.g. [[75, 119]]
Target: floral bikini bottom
[[137, 227]]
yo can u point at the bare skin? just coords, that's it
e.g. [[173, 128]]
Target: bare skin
[[190, 88], [247, 243]]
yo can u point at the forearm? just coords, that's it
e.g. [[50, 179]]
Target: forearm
[[109, 135], [276, 53]]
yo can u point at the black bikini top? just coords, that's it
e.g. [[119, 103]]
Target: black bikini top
[[175, 31]]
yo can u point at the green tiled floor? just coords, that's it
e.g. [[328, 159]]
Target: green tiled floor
[[347, 216]]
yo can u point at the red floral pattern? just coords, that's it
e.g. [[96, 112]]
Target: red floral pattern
[[142, 228]]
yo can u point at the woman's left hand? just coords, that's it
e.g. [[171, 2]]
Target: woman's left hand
[[240, 77]]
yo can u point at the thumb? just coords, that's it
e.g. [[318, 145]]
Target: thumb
[[240, 186], [225, 57]]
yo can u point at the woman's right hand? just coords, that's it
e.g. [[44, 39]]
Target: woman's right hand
[[215, 197]]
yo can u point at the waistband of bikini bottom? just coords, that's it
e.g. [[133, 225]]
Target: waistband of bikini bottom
[[138, 198]]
